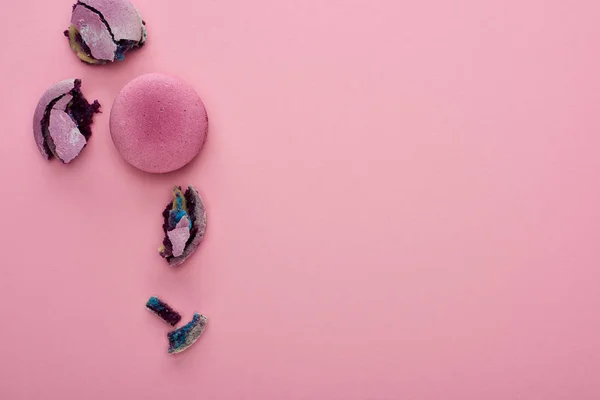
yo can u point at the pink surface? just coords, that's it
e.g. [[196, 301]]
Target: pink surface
[[404, 203], [158, 123]]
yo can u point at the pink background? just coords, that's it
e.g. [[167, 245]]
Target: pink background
[[403, 199]]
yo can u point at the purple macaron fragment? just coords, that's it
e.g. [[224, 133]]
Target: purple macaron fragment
[[182, 338], [184, 225], [179, 236], [66, 137], [56, 91], [62, 119], [94, 33], [63, 102], [122, 17], [104, 30]]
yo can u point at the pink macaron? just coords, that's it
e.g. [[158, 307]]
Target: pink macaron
[[158, 123]]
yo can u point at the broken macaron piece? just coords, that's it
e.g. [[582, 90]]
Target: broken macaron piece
[[182, 338], [163, 311], [62, 119], [103, 31], [184, 225]]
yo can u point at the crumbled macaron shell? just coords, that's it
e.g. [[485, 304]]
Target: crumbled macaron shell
[[62, 119], [100, 32], [184, 225], [158, 123], [163, 311], [104, 30], [179, 236], [51, 95], [94, 33], [68, 141], [181, 339]]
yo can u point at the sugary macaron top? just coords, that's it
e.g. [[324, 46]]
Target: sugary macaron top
[[158, 123]]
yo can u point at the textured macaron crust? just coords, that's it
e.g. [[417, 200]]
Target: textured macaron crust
[[181, 339], [184, 225], [104, 30], [158, 123], [62, 119]]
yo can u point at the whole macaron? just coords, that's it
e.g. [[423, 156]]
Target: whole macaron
[[62, 119], [158, 123], [103, 31]]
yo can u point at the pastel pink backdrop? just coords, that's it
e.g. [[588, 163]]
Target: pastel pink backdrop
[[403, 201]]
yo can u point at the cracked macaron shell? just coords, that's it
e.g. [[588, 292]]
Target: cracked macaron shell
[[193, 210], [67, 140], [179, 236], [61, 121], [107, 29], [55, 91], [182, 338], [122, 17], [94, 33]]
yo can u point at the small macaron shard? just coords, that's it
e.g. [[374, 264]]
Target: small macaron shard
[[158, 123], [103, 31], [181, 339], [163, 311], [184, 225], [62, 121]]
